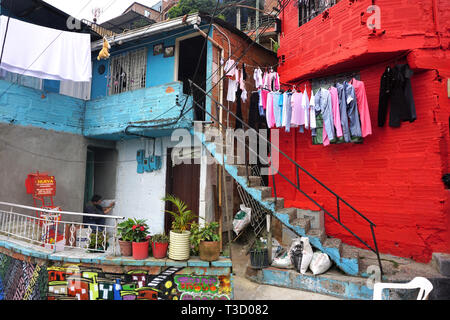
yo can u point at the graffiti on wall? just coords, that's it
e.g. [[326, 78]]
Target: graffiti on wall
[[78, 283], [20, 280]]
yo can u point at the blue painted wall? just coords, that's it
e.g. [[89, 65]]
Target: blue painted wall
[[160, 70], [109, 116], [25, 106]]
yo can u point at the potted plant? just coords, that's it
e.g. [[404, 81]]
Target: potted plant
[[98, 242], [124, 230], [139, 235], [206, 241], [160, 242], [179, 248], [259, 255]]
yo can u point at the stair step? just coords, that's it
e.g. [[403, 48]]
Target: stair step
[[266, 192], [242, 170], [349, 252], [292, 212], [303, 223], [254, 181], [333, 243], [317, 233], [278, 205]]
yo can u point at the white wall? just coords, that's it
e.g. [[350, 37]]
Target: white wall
[[139, 195]]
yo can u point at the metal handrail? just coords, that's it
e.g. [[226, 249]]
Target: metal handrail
[[297, 184], [48, 229]]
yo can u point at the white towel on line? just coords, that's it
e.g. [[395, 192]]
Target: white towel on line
[[45, 53]]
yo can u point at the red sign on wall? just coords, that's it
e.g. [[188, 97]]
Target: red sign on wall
[[41, 184]]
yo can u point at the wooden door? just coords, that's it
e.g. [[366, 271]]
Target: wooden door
[[182, 181]]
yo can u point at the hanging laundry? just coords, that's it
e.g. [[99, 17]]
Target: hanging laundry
[[232, 88], [336, 112], [242, 86], [264, 94], [258, 77], [298, 114], [254, 116], [343, 112], [230, 69], [363, 107], [45, 53], [305, 107], [323, 103], [312, 114], [260, 104], [238, 109], [269, 111], [352, 110], [287, 111], [276, 109], [396, 87]]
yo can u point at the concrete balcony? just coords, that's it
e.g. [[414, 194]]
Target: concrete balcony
[[143, 109]]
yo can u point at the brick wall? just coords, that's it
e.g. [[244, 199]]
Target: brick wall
[[394, 177]]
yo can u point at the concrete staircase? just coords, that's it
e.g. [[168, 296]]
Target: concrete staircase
[[345, 257]]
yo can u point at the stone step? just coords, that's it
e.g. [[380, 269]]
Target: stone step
[[242, 170], [291, 212], [442, 263], [333, 243], [349, 252], [266, 192], [280, 202], [303, 223], [254, 181], [317, 233]]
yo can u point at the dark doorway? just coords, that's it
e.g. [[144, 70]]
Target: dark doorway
[[101, 165], [189, 56], [182, 181]]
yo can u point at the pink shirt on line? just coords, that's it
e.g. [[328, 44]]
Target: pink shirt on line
[[363, 107]]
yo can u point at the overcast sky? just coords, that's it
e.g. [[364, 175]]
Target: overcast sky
[[111, 8]]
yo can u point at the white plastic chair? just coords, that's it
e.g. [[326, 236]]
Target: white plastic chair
[[418, 282]]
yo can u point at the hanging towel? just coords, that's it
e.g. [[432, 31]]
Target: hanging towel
[[45, 53], [298, 115]]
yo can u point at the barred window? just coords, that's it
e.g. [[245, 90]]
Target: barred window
[[128, 71], [308, 9]]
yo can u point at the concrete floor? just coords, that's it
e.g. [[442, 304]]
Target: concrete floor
[[245, 289]]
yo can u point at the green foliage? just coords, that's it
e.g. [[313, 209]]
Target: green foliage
[[259, 245], [182, 216], [191, 6], [139, 230], [160, 238], [98, 242], [125, 231], [207, 233]]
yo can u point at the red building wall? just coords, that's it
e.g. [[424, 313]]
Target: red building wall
[[394, 177]]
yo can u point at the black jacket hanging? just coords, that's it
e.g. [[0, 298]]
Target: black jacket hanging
[[396, 86]]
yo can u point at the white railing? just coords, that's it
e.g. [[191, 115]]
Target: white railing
[[52, 230]]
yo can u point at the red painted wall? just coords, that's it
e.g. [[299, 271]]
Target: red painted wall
[[394, 177]]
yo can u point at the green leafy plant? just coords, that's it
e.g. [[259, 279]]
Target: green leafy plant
[[98, 242], [160, 238], [208, 233], [182, 216], [139, 230], [259, 245], [125, 231]]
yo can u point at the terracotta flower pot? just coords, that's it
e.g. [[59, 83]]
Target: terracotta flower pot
[[159, 249], [209, 250], [125, 248], [140, 250]]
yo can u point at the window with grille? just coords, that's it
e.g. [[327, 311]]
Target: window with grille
[[128, 71], [308, 9]]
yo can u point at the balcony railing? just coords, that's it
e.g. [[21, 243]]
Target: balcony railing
[[309, 9], [264, 21], [51, 229]]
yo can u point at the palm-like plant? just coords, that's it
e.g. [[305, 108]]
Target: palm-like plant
[[182, 216]]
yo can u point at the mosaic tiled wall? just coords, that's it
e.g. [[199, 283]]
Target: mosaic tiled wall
[[21, 280]]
